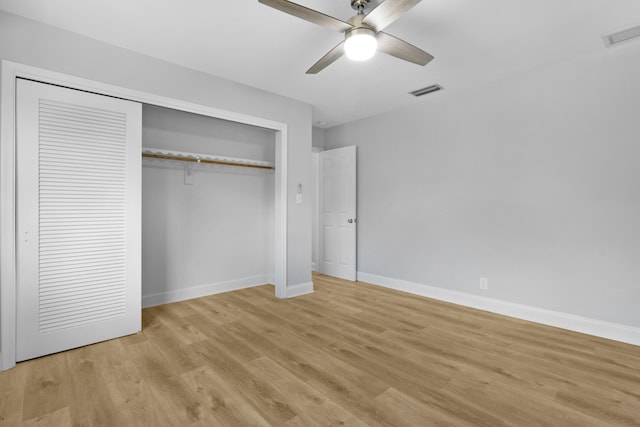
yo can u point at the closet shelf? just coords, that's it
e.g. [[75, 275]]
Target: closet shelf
[[207, 159]]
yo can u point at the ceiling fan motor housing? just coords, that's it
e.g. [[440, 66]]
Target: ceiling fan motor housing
[[355, 31], [358, 27]]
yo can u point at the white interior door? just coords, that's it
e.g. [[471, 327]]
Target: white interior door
[[78, 218], [337, 205]]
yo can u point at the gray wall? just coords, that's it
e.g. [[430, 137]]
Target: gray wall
[[318, 137], [179, 130], [532, 182], [39, 45]]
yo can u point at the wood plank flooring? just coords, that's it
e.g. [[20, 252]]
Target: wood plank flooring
[[349, 355]]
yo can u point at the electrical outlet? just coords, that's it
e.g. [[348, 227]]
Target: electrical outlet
[[484, 283]]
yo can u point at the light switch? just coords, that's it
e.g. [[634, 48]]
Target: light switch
[[299, 198]]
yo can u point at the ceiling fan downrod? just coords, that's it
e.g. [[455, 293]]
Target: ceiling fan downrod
[[359, 5]]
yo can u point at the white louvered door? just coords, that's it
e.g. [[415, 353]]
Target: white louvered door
[[78, 218]]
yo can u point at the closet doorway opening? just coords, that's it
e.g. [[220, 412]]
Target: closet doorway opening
[[208, 194]]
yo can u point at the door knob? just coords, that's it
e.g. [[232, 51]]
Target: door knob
[[351, 220]]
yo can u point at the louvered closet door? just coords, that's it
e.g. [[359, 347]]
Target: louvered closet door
[[78, 198]]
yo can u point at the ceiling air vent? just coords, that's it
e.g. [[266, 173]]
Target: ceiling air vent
[[426, 90], [621, 36]]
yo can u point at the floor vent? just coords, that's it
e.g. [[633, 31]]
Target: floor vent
[[426, 90], [621, 36]]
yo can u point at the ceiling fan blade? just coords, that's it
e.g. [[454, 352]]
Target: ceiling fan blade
[[401, 49], [387, 12], [328, 59], [308, 14]]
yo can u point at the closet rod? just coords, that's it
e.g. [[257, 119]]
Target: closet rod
[[195, 160]]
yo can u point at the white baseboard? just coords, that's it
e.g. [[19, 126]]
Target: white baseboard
[[585, 325], [313, 266], [151, 300], [299, 289]]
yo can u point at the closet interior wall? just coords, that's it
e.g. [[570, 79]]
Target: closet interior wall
[[217, 233]]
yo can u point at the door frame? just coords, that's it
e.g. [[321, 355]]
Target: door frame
[[315, 220], [8, 278]]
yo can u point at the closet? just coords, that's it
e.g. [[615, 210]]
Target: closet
[[207, 205]]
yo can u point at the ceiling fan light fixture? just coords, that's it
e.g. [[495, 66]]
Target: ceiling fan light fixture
[[360, 44]]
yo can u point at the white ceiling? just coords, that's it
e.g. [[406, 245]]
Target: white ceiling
[[473, 41]]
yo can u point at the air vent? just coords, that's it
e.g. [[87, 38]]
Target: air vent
[[426, 90], [621, 36]]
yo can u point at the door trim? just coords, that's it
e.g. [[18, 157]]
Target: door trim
[[13, 70]]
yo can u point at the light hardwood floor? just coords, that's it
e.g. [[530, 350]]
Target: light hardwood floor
[[349, 354]]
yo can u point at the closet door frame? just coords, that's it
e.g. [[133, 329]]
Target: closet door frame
[[8, 280]]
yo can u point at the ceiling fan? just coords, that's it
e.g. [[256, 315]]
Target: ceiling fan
[[363, 33]]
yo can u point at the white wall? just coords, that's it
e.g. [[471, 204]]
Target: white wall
[[217, 233], [532, 182], [32, 43]]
